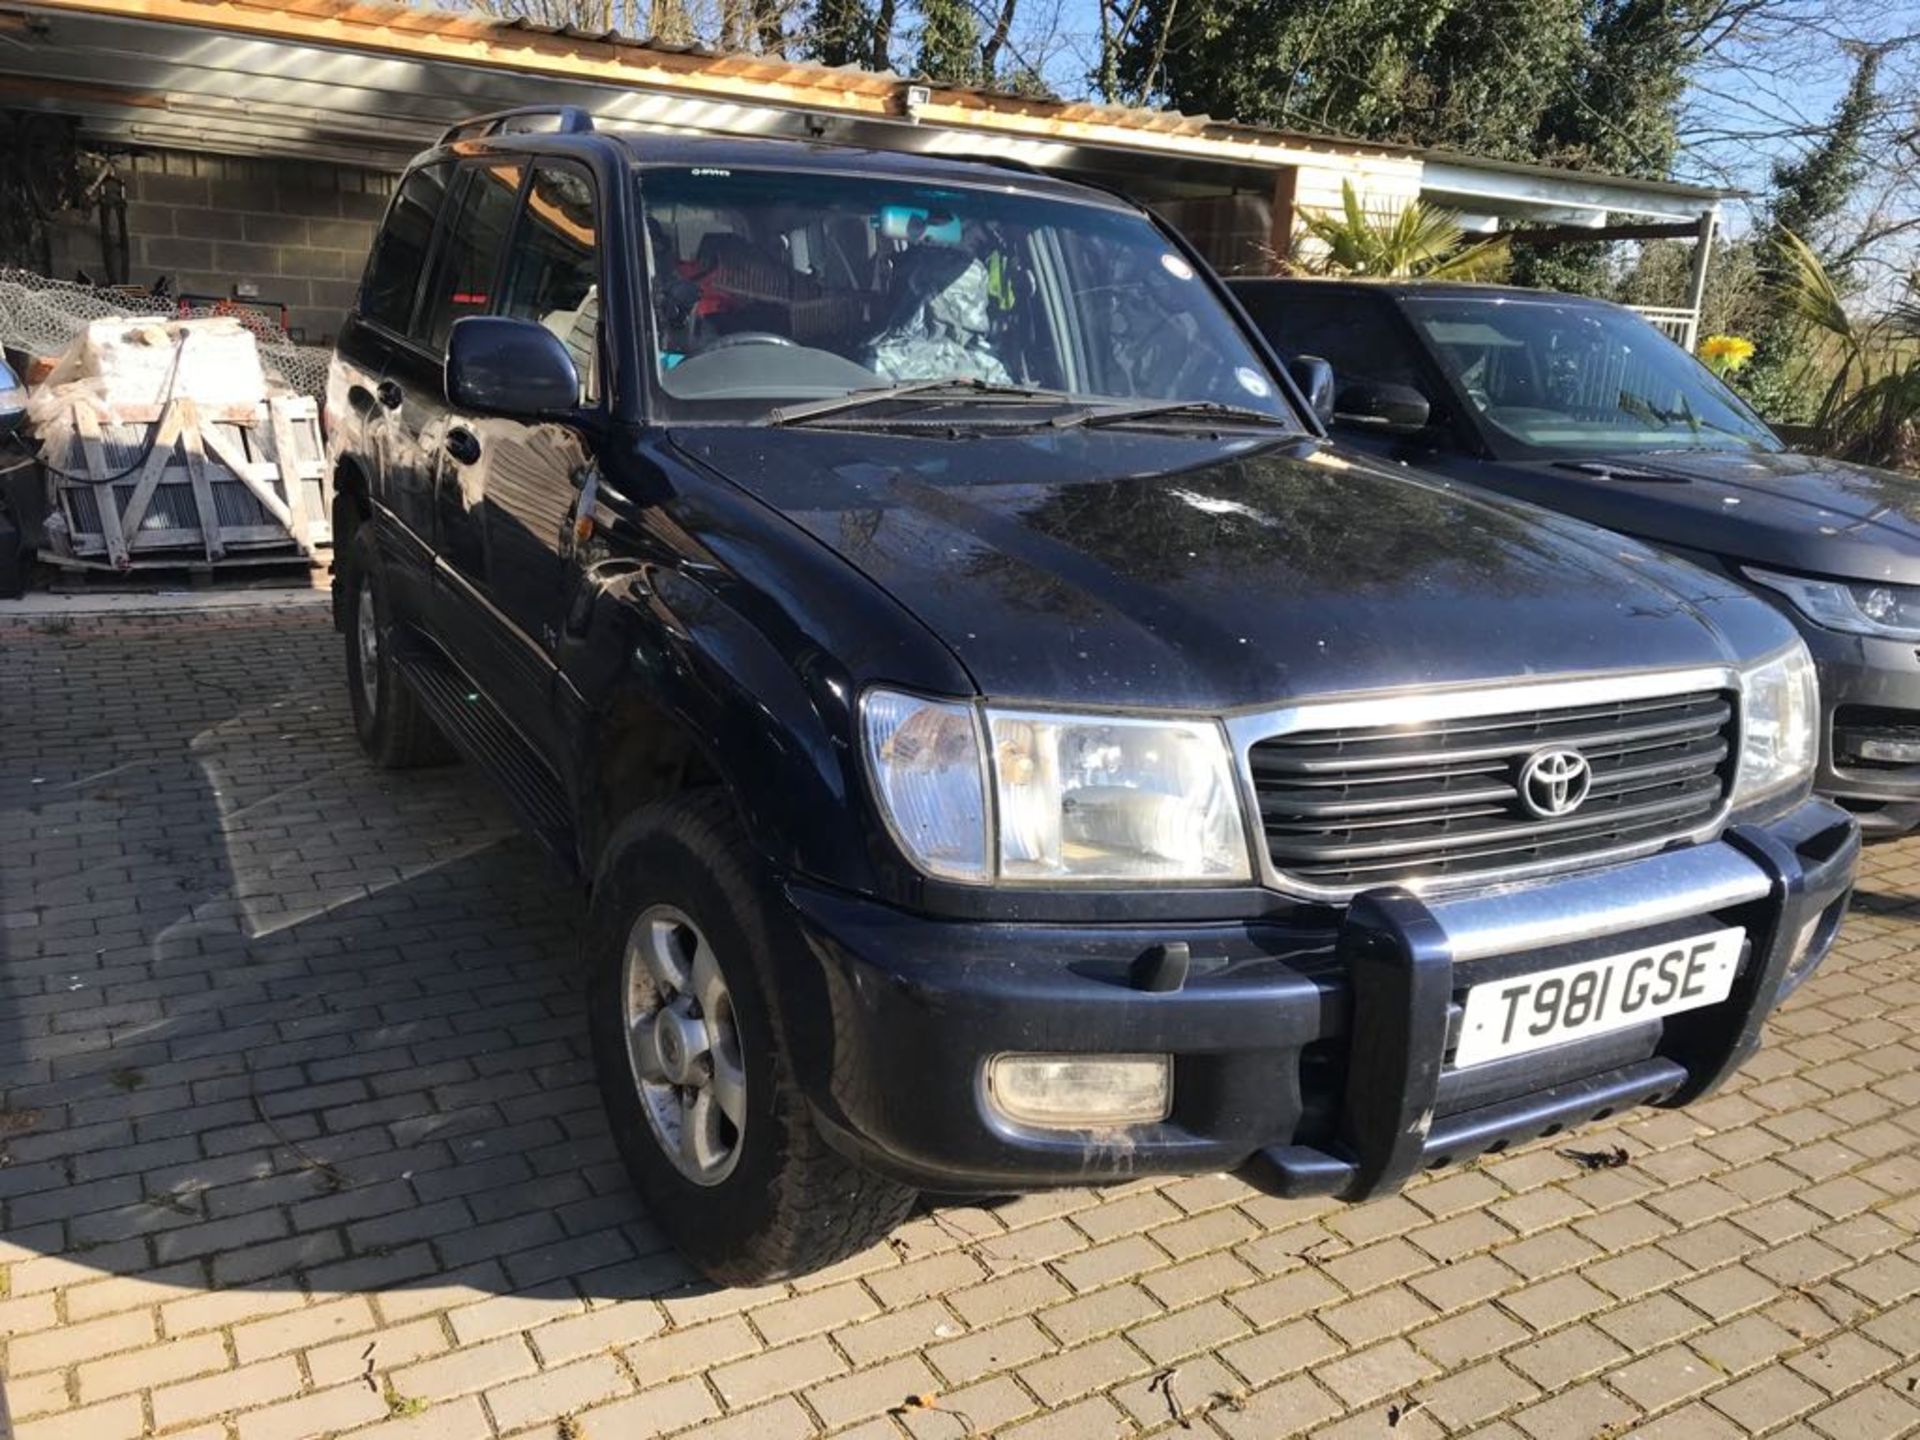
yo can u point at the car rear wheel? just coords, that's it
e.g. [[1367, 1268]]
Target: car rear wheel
[[393, 728], [691, 1059]]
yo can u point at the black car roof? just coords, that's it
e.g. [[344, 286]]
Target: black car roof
[[666, 150]]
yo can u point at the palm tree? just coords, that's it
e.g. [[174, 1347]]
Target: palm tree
[[1870, 409], [1384, 243]]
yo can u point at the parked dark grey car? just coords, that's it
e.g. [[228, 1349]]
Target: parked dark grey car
[[1585, 407]]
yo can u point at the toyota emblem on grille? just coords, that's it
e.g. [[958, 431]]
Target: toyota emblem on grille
[[1555, 782]]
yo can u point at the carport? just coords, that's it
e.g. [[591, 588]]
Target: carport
[[181, 86]]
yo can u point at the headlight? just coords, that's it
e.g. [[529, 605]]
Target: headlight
[[1779, 725], [924, 756], [1856, 607], [1078, 799]]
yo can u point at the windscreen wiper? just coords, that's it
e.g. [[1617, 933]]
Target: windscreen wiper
[[931, 389], [1174, 410]]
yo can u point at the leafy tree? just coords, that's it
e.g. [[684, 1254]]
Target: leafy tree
[[949, 42], [1806, 196], [840, 32], [1592, 82]]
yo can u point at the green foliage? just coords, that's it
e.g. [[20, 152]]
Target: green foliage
[[1589, 82], [1806, 195], [1869, 406], [949, 42], [1416, 240], [838, 32]]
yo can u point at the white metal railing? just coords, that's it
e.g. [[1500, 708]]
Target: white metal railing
[[1680, 325]]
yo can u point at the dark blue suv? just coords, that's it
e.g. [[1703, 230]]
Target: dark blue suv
[[1000, 740]]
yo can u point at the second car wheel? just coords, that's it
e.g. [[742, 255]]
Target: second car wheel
[[388, 718], [692, 1065]]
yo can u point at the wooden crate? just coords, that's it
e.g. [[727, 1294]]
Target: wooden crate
[[214, 487]]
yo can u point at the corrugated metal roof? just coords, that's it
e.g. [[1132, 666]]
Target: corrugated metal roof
[[609, 57]]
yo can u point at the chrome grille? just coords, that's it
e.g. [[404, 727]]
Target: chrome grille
[[1378, 804]]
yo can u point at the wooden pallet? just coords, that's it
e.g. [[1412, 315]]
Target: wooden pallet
[[234, 484]]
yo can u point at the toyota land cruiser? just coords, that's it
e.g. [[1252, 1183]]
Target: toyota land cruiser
[[1003, 743]]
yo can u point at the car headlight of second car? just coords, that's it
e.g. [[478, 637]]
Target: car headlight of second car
[[1075, 799], [1855, 607], [1779, 725]]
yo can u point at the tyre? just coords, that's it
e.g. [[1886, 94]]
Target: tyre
[[693, 1068], [393, 728]]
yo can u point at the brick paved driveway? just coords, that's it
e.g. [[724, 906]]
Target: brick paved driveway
[[299, 1139]]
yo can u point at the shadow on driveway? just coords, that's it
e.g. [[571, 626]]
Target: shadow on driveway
[[274, 1018]]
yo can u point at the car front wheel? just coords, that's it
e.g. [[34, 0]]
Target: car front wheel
[[693, 1070]]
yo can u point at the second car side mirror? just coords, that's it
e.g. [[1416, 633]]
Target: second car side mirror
[[1382, 405], [517, 368], [1314, 376]]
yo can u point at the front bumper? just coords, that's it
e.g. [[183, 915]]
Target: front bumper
[[1314, 1052], [1867, 686]]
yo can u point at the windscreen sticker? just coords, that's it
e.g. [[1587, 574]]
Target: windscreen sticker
[[1176, 267], [1252, 381]]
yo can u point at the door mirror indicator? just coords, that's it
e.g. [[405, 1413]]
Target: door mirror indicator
[[1314, 376], [13, 400], [1382, 405], [516, 368]]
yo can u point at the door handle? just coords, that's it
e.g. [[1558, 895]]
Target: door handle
[[463, 445], [390, 394]]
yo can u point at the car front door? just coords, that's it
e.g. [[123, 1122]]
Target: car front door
[[374, 351], [509, 488]]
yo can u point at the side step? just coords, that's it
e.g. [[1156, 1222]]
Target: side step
[[483, 736]]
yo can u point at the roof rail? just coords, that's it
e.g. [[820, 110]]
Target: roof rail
[[567, 120]]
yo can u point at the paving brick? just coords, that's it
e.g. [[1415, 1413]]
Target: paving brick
[[660, 1411], [116, 1420], [999, 1347], [155, 1365], [776, 1372], [871, 1391], [50, 1347], [611, 1325], [344, 1407], [554, 1393], [244, 1388], [478, 1367]]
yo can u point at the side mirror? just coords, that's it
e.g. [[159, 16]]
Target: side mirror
[[1314, 376], [516, 368], [1383, 406], [13, 400]]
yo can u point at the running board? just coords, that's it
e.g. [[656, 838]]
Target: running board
[[477, 729]]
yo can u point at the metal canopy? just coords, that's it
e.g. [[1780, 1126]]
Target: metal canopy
[[371, 84]]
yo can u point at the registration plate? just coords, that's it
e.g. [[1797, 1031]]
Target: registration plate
[[1575, 1002]]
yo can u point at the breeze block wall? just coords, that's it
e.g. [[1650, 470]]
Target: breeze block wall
[[297, 231]]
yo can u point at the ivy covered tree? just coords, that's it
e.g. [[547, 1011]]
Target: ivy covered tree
[[1806, 195], [949, 42]]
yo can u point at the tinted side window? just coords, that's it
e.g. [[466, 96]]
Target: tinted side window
[[469, 257], [400, 252], [553, 269], [1356, 334]]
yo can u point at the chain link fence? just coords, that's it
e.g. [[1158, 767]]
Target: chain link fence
[[43, 317]]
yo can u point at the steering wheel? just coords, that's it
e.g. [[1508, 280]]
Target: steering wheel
[[747, 337]]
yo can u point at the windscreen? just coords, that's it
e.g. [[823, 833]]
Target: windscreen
[[1581, 378], [772, 287]]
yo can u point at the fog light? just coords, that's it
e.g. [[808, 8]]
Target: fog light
[[1081, 1092], [1889, 751]]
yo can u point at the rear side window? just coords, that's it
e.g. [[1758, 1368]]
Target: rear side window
[[553, 269], [1356, 334], [480, 215], [399, 255]]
